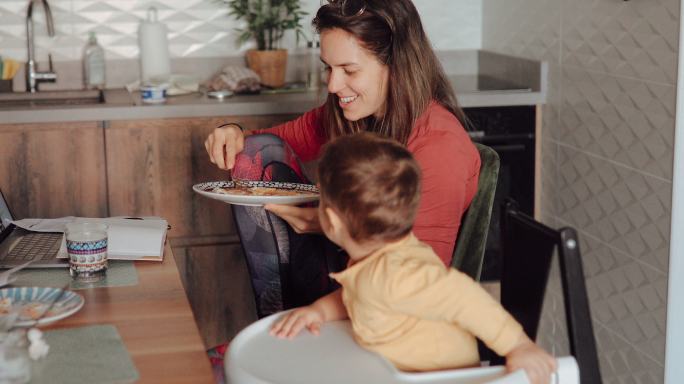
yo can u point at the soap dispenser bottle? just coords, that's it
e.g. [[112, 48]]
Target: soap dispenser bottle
[[93, 64], [313, 78]]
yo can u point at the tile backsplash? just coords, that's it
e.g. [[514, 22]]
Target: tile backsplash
[[197, 28]]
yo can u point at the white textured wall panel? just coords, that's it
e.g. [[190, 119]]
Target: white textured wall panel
[[197, 28]]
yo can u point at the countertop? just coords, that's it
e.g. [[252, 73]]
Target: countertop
[[501, 81]]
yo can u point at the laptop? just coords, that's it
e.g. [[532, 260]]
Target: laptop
[[17, 245]]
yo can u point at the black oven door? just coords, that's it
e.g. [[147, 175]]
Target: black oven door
[[516, 180], [510, 132]]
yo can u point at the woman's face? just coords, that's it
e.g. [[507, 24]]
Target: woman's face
[[356, 76]]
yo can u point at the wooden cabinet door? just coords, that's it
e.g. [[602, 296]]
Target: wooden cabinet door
[[153, 164], [217, 284], [51, 170]]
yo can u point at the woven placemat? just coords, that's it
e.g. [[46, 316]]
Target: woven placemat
[[119, 273], [89, 355]]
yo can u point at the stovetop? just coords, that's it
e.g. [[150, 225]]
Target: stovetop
[[480, 83]]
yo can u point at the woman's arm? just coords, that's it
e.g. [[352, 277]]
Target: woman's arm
[[302, 220], [304, 134]]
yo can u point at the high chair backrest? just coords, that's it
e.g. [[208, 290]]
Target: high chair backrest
[[528, 247]]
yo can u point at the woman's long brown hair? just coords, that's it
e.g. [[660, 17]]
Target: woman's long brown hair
[[392, 31]]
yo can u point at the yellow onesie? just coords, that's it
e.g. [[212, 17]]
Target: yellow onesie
[[404, 304]]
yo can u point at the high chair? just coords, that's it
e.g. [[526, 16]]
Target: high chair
[[255, 357], [334, 357]]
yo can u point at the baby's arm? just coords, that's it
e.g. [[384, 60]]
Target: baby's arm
[[433, 293], [536, 362], [328, 308]]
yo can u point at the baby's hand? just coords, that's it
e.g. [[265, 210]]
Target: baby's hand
[[536, 362], [290, 325]]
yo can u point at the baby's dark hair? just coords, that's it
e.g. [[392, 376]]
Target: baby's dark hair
[[373, 183]]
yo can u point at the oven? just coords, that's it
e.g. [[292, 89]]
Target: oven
[[510, 132]]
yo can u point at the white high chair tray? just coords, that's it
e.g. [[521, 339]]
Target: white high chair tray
[[334, 357]]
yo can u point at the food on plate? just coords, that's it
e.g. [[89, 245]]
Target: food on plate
[[5, 305], [33, 310], [262, 191]]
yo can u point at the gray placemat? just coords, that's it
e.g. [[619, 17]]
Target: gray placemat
[[119, 273], [89, 355]]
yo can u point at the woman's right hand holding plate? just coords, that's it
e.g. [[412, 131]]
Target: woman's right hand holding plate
[[301, 219]]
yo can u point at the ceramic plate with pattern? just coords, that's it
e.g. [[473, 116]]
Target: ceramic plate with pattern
[[32, 302], [258, 192]]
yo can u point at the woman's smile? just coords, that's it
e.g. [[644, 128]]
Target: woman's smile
[[346, 101]]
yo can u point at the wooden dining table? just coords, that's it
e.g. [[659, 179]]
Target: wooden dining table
[[154, 321]]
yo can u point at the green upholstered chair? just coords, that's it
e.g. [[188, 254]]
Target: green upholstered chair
[[472, 236]]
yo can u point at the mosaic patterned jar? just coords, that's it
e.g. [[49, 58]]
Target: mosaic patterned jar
[[87, 248]]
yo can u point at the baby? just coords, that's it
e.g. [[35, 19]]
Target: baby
[[403, 303]]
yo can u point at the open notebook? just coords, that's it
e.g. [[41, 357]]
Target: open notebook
[[139, 238]]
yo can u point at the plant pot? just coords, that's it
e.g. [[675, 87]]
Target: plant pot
[[269, 65]]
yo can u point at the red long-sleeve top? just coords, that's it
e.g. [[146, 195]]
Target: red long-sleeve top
[[449, 162]]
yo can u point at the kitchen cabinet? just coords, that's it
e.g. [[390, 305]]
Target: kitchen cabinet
[[215, 281], [151, 168], [152, 165], [137, 168], [54, 169]]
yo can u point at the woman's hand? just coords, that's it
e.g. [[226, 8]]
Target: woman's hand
[[536, 362], [289, 326], [302, 220], [224, 144]]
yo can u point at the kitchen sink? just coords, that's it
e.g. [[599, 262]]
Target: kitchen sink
[[52, 98]]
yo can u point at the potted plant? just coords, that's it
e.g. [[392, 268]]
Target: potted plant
[[267, 21]]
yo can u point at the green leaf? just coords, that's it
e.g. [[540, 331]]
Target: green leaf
[[266, 20]]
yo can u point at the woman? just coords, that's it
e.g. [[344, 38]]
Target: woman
[[383, 77]]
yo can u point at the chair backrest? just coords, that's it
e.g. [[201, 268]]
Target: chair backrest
[[528, 247], [472, 236]]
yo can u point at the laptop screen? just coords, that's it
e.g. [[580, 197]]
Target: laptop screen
[[5, 214]]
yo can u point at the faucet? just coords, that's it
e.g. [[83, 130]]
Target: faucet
[[33, 76]]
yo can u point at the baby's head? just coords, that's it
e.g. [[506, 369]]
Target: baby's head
[[372, 185]]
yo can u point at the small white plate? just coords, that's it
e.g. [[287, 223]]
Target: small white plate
[[33, 301], [211, 190]]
